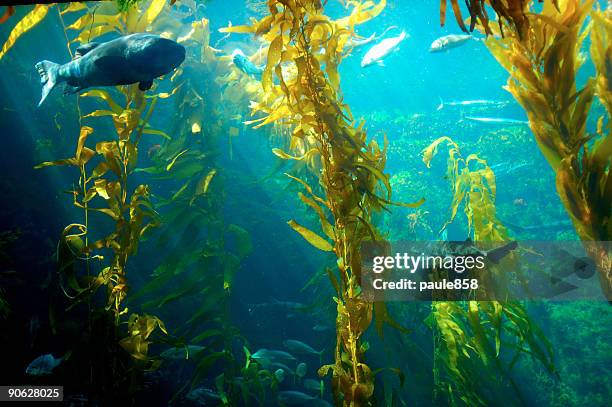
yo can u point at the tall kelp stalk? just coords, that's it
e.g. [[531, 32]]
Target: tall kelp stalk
[[107, 189], [470, 358], [543, 65], [301, 91], [208, 248]]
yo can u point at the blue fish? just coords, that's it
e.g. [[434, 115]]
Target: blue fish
[[136, 58], [245, 65], [45, 364]]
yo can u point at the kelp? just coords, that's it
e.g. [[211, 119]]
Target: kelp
[[105, 188], [301, 92], [511, 12], [469, 351], [24, 25], [543, 67]]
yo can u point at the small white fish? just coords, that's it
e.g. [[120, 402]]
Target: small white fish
[[383, 49], [45, 364], [475, 102], [449, 41], [496, 120]]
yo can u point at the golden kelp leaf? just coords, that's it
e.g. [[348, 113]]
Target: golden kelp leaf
[[72, 7], [204, 183], [328, 229], [85, 132], [274, 56], [238, 29], [176, 157], [195, 128], [361, 13], [430, 151], [311, 237], [104, 95], [95, 20], [155, 132], [24, 25], [280, 153], [155, 7]]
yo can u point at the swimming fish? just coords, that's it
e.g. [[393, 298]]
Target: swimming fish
[[181, 352], [244, 64], [300, 347], [280, 375], [449, 41], [315, 386], [136, 58], [355, 43], [45, 364], [294, 398], [505, 169], [475, 102], [202, 396], [301, 369], [496, 120], [272, 355], [380, 51]]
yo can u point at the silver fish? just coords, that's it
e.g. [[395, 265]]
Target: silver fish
[[272, 355], [496, 120], [475, 102], [449, 41], [300, 347], [383, 49]]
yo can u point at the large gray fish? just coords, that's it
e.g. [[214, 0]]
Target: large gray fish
[[449, 41], [136, 58]]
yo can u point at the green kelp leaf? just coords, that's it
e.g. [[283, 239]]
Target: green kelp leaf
[[176, 157], [24, 25], [209, 333], [311, 237], [242, 239], [204, 366]]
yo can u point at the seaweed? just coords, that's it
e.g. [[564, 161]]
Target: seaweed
[[301, 91], [543, 67], [468, 356]]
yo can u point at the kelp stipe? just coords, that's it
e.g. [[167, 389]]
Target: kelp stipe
[[469, 367], [543, 66], [352, 185]]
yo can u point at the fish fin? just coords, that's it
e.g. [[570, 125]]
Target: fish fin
[[71, 90], [380, 63], [48, 77], [84, 49], [145, 85]]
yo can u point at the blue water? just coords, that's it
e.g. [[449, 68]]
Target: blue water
[[268, 304]]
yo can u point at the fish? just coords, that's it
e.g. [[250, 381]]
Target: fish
[[301, 369], [300, 347], [315, 386], [202, 396], [449, 41], [181, 352], [383, 49], [280, 375], [552, 226], [475, 102], [355, 43], [245, 65], [272, 355], [135, 58], [294, 398], [496, 120], [321, 328], [44, 365], [505, 169]]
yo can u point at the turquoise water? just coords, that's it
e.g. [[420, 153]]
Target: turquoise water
[[280, 290]]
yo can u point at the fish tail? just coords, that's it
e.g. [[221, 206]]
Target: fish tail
[[441, 105], [48, 72]]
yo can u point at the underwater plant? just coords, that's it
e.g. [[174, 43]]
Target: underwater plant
[[510, 12], [301, 91], [469, 355], [543, 65]]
